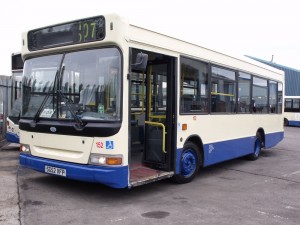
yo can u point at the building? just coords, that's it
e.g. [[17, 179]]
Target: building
[[292, 93], [292, 77]]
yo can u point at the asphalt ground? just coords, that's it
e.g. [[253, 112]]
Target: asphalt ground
[[236, 192], [9, 196]]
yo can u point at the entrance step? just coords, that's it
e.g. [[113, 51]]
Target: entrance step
[[140, 175]]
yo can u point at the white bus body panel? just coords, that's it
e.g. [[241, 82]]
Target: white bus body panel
[[60, 147], [215, 128], [76, 149]]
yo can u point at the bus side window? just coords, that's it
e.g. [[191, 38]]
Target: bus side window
[[253, 106]]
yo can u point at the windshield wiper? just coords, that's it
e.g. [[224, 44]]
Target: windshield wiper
[[37, 115], [67, 101]]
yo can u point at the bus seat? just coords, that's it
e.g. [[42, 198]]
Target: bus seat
[[88, 95]]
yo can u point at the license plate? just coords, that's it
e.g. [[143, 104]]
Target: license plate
[[55, 170]]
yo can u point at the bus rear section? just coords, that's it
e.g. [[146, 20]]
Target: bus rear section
[[292, 111], [12, 121]]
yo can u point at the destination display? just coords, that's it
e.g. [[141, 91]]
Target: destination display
[[81, 31]]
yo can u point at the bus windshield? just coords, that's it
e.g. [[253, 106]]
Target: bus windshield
[[16, 95], [82, 85]]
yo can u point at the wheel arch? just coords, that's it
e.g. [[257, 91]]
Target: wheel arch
[[285, 121], [198, 142], [261, 132]]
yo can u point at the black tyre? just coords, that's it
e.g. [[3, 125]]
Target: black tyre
[[190, 161], [257, 148], [285, 122]]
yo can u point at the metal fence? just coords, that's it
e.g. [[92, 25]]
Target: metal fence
[[5, 102]]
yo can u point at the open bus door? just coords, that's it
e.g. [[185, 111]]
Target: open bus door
[[157, 130]]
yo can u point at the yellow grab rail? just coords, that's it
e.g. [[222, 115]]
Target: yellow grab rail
[[158, 117], [164, 132], [222, 94]]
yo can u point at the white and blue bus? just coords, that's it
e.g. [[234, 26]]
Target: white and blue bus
[[106, 101], [12, 121], [292, 111]]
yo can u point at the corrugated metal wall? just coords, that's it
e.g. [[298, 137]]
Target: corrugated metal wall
[[292, 77]]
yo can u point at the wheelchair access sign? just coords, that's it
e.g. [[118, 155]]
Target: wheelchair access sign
[[109, 145]]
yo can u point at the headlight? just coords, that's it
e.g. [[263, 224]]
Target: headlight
[[106, 160], [24, 148]]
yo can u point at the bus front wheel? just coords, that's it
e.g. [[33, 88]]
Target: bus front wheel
[[190, 161]]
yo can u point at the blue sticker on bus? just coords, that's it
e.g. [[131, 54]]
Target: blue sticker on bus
[[109, 144]]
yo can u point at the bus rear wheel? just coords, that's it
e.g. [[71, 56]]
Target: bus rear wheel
[[257, 148], [285, 122], [190, 161]]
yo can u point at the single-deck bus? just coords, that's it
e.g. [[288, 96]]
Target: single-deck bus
[[292, 111], [12, 121], [110, 102]]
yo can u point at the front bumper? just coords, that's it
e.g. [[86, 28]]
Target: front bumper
[[116, 177]]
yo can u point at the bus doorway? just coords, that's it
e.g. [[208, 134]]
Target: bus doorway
[[152, 111]]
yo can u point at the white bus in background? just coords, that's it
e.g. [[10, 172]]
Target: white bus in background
[[5, 85], [106, 101], [12, 121], [292, 111]]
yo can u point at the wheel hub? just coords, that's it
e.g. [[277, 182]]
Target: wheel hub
[[189, 163]]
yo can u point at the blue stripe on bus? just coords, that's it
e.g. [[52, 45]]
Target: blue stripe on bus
[[178, 158], [116, 177], [273, 139], [294, 123], [225, 150], [12, 137]]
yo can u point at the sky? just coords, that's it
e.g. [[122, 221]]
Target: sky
[[259, 28]]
